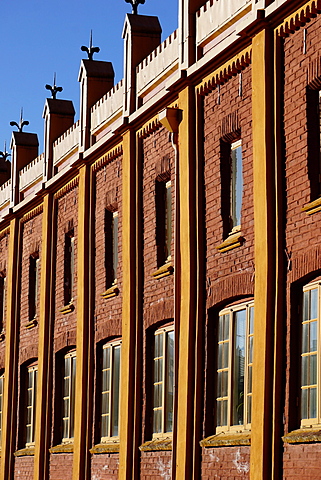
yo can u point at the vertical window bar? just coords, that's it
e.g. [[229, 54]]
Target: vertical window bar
[[115, 245]]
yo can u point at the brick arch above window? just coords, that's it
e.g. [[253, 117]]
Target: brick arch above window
[[226, 289]]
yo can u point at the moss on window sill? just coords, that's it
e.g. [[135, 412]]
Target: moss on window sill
[[24, 452], [67, 309], [303, 435], [229, 439], [62, 448], [164, 271], [312, 207], [234, 240], [157, 444], [112, 447], [110, 292]]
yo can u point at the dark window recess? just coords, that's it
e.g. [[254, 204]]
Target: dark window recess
[[163, 199], [69, 267], [111, 247], [33, 285], [314, 144], [2, 301]]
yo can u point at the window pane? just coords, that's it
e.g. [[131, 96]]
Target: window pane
[[314, 303], [249, 409], [305, 371], [115, 393], [313, 370], [313, 336], [158, 391], [168, 220], [105, 402], [249, 388], [115, 245], [313, 403], [305, 338], [251, 327], [28, 434], [170, 382], [158, 370], [65, 428], [157, 421], [158, 345], [304, 404], [239, 363], [105, 426]]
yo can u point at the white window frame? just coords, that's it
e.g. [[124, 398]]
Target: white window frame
[[233, 187], [32, 374], [109, 390], [309, 422], [228, 367], [69, 398], [163, 381]]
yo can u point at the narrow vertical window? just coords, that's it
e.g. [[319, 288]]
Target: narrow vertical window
[[3, 281], [1, 403], [33, 285], [236, 184], [110, 396], [111, 247], [234, 367], [163, 380], [69, 396], [31, 404], [163, 221], [310, 404], [313, 112], [69, 270]]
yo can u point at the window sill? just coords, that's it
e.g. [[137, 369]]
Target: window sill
[[164, 271], [2, 336], [312, 207], [33, 323], [110, 292], [67, 309], [229, 439], [157, 444], [112, 447], [234, 240], [303, 435], [62, 448], [25, 452]]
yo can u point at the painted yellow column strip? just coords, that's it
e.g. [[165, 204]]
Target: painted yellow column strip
[[9, 415], [128, 425], [83, 400], [185, 445], [44, 380], [264, 227]]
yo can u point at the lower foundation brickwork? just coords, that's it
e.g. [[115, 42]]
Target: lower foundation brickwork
[[23, 467], [226, 463], [105, 466], [156, 466], [61, 466], [302, 461]]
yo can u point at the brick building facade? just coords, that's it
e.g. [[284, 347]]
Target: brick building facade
[[160, 272]]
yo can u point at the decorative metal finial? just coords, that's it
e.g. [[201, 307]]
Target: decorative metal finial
[[135, 4], [4, 155], [54, 89], [22, 123], [90, 50]]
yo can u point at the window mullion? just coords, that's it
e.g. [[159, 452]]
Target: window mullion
[[110, 390], [163, 380], [230, 370]]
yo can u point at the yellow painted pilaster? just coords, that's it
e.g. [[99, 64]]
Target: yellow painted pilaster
[[264, 227], [83, 399], [44, 380], [9, 415], [185, 324], [129, 428]]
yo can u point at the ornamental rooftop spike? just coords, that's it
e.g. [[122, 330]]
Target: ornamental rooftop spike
[[4, 155], [54, 89], [22, 123], [90, 50], [135, 4]]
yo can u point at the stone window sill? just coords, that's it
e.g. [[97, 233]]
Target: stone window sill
[[33, 323], [157, 444], [67, 309], [164, 271], [62, 448], [229, 439], [234, 240], [110, 292], [312, 207], [24, 452], [303, 435], [112, 447]]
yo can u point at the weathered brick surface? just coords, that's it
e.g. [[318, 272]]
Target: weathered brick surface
[[156, 466], [23, 468], [158, 306], [226, 463], [302, 461], [61, 466], [105, 466]]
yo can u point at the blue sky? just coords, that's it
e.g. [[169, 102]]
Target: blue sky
[[40, 37]]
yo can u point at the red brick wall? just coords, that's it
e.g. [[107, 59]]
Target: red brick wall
[[226, 463], [302, 234], [158, 296], [61, 466], [23, 468], [105, 466], [156, 466]]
